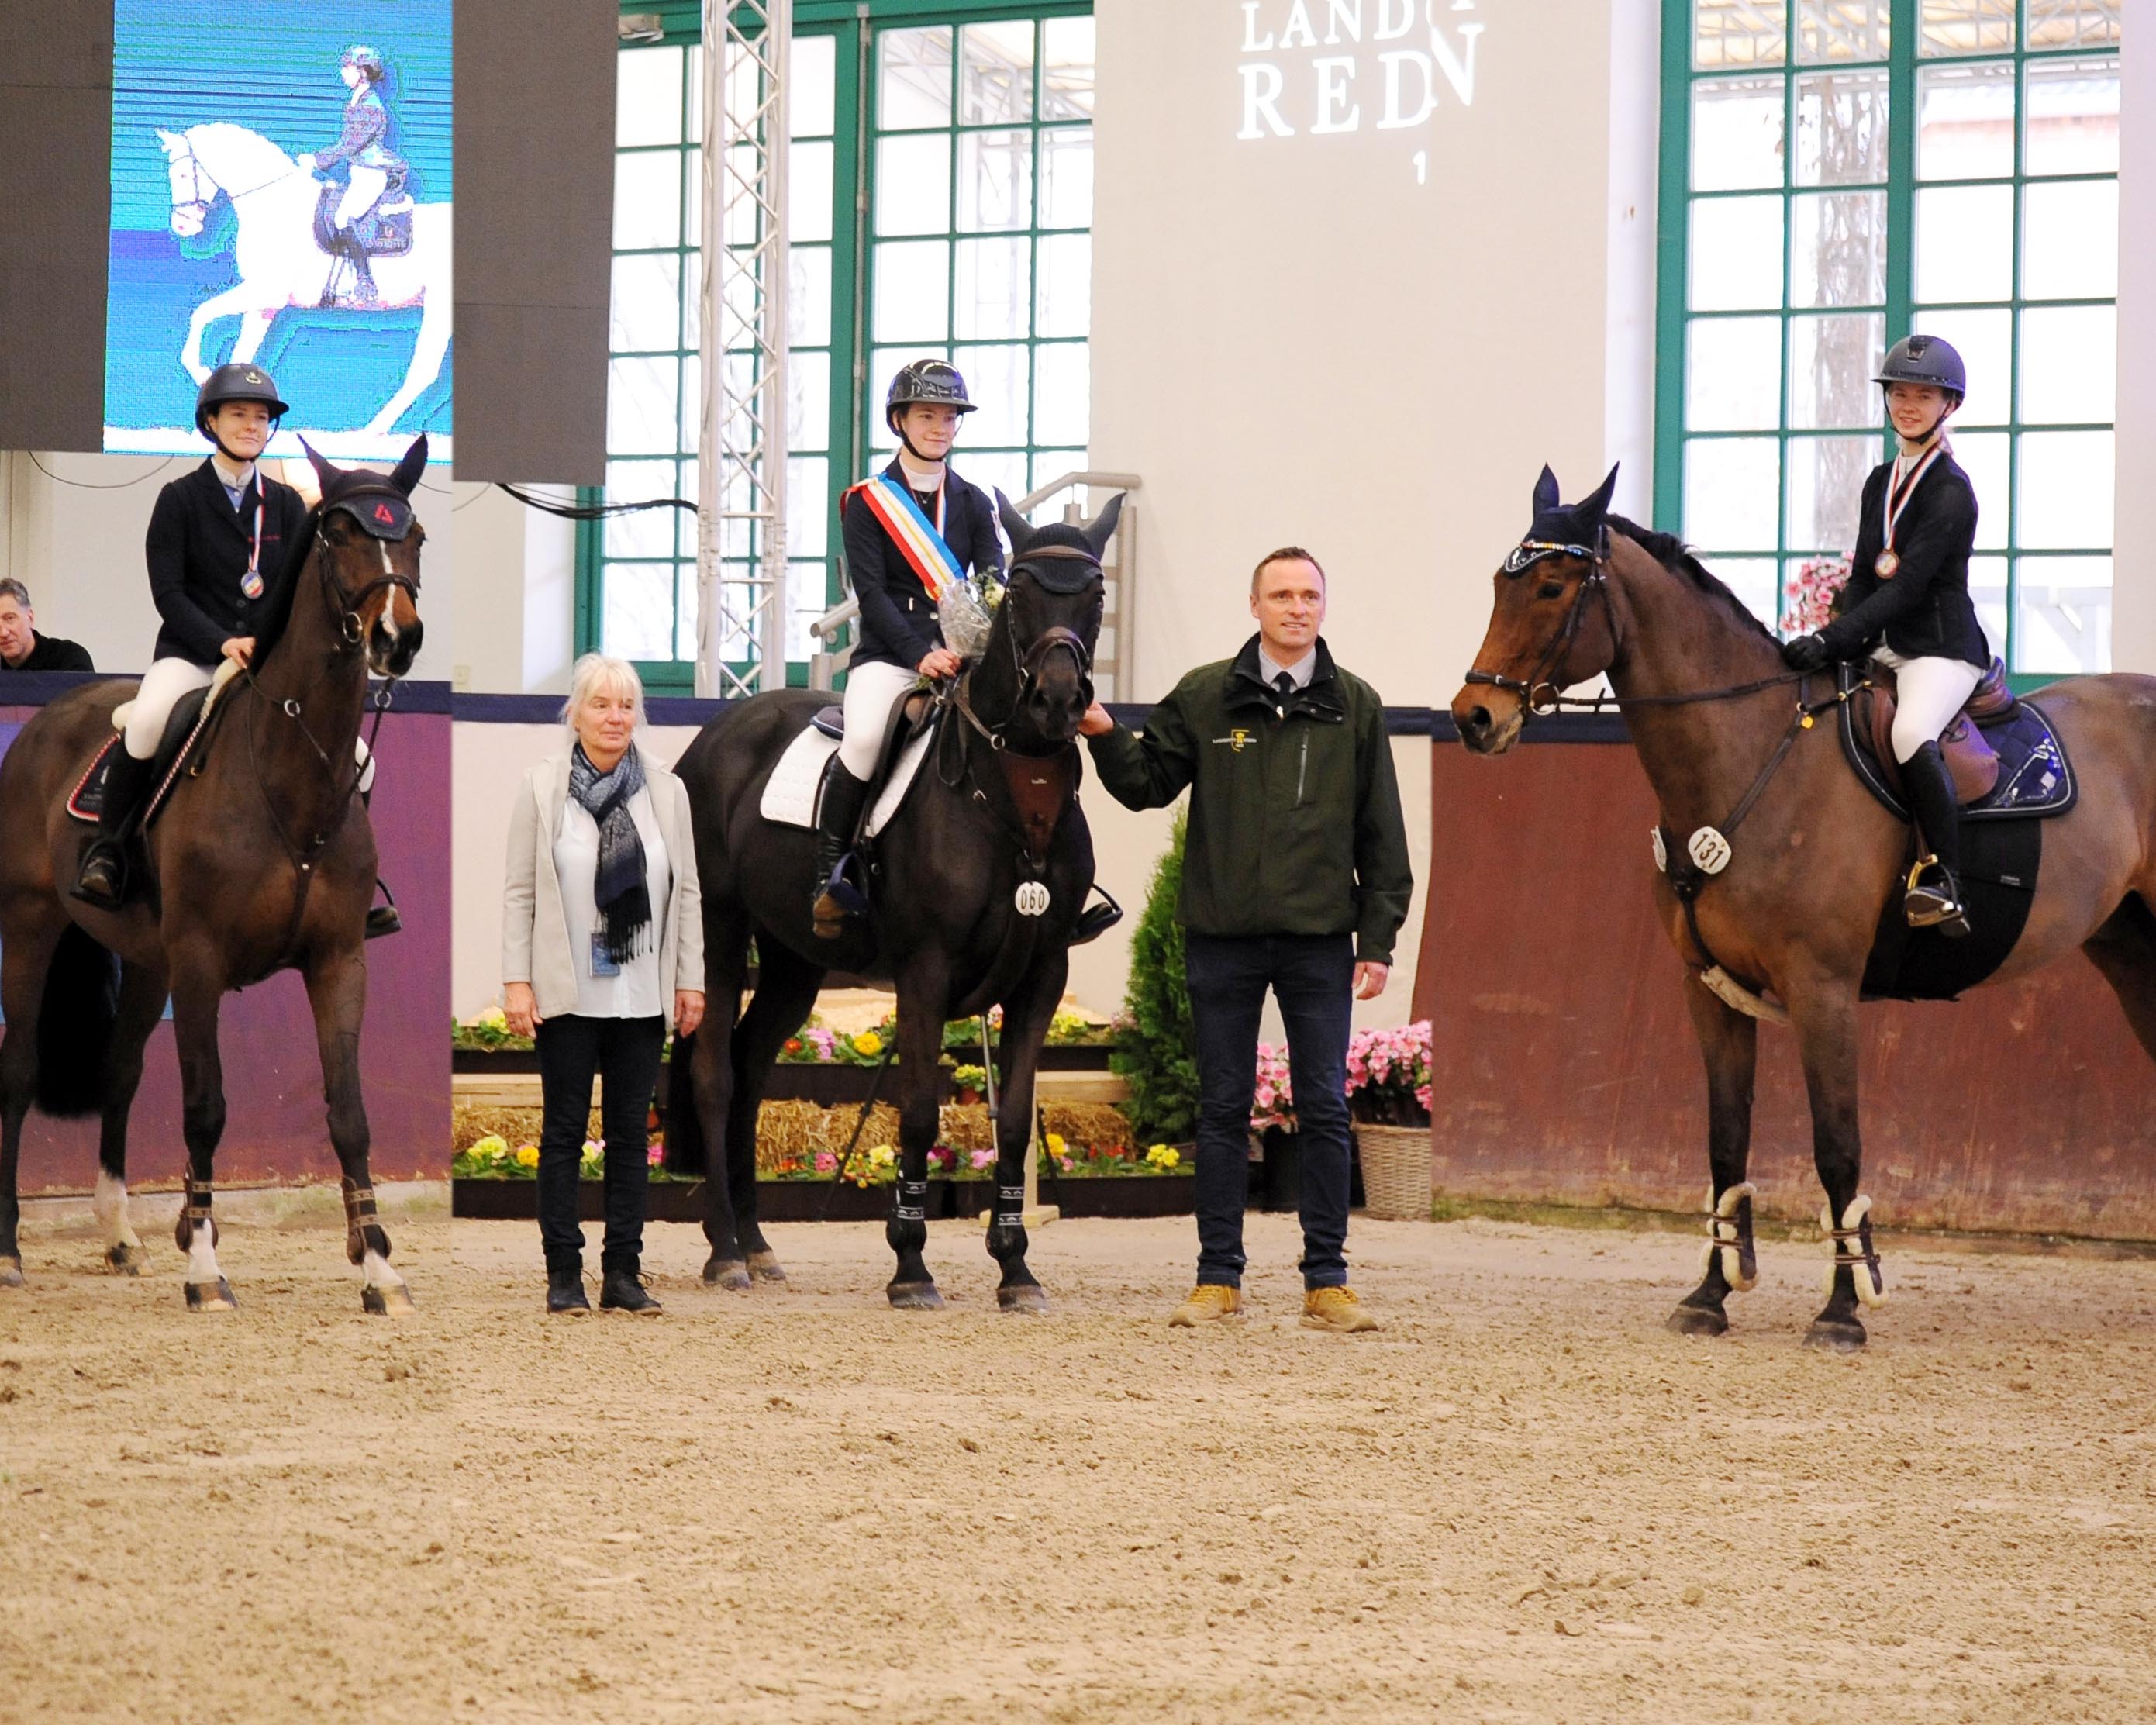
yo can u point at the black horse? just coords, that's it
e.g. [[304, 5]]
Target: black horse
[[959, 920]]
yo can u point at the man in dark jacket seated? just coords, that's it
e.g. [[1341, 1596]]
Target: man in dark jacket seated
[[21, 648]]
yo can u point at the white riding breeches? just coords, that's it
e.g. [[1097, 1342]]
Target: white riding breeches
[[366, 185], [872, 690], [159, 691], [1928, 693], [162, 685]]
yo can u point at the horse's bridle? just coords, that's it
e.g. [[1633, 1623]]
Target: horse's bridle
[[347, 606], [1541, 696], [195, 181], [1030, 664]]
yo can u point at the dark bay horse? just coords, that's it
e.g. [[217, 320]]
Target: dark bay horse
[[993, 817], [1796, 907], [263, 860]]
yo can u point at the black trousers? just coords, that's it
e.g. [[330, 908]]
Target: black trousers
[[623, 1053]]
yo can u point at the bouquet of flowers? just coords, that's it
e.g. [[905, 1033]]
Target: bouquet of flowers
[[1388, 1076], [1807, 596]]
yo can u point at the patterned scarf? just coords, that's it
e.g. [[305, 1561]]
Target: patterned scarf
[[625, 900]]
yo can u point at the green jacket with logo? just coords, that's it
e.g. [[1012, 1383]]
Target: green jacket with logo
[[1295, 814]]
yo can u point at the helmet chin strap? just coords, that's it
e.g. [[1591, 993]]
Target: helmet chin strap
[[228, 453], [898, 426]]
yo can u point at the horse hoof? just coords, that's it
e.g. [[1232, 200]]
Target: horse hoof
[[203, 1296], [1843, 1335], [11, 1272], [1027, 1298], [914, 1296], [387, 1301], [1698, 1321], [729, 1273], [125, 1259], [764, 1266]]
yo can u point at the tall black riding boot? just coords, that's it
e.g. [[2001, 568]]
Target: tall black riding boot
[[383, 918], [1933, 899], [102, 880], [837, 818]]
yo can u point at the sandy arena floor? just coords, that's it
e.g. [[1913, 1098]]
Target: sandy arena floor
[[1521, 1501]]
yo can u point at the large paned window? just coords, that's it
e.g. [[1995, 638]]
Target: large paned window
[[1837, 173], [940, 202]]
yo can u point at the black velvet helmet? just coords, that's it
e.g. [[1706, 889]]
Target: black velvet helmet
[[1924, 359], [933, 381], [237, 382]]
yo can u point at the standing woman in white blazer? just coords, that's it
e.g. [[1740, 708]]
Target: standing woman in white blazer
[[602, 934]]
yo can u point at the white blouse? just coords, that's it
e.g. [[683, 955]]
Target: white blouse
[[636, 992]]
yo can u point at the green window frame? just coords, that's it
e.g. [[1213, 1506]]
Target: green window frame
[[1835, 175], [843, 57]]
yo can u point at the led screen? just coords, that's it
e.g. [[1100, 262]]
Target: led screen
[[260, 151]]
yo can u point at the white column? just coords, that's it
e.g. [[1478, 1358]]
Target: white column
[[2133, 589]]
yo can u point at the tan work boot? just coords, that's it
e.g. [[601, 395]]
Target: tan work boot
[[1335, 1309], [1207, 1302]]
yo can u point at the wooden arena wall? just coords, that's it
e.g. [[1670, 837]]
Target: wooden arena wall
[[1566, 1070], [276, 1130]]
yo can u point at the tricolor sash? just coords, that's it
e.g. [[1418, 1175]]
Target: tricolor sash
[[921, 542]]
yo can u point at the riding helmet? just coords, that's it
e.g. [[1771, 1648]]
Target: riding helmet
[[1924, 359], [368, 59], [933, 381], [237, 382]]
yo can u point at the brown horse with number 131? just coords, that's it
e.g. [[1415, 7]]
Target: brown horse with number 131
[[1795, 907]]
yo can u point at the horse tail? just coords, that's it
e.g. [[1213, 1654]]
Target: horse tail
[[683, 1127], [75, 1019]]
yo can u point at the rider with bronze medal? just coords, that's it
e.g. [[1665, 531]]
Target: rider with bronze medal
[[1907, 605], [912, 532], [217, 546]]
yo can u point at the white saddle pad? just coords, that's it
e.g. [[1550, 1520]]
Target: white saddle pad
[[796, 784]]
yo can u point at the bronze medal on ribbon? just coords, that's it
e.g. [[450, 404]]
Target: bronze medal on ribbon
[[1885, 564]]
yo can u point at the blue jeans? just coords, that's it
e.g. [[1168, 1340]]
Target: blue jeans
[[1313, 977]]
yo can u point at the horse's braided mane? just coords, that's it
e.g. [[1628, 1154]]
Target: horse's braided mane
[[1673, 554]]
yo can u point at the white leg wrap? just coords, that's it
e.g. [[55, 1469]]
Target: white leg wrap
[[1726, 1234], [109, 1204], [201, 1256], [1850, 1246]]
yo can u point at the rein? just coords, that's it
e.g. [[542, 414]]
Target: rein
[[197, 178]]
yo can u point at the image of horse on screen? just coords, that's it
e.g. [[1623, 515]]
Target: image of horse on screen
[[281, 195]]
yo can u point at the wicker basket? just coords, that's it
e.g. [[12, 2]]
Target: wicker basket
[[1396, 1171]]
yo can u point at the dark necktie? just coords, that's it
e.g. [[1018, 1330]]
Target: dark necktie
[[1284, 683]]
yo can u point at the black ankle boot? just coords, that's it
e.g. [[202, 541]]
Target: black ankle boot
[[565, 1288], [102, 880], [838, 815], [1932, 898], [624, 1291]]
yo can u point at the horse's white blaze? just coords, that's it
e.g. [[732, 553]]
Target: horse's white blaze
[[389, 610], [377, 1272], [201, 1257], [109, 1204]]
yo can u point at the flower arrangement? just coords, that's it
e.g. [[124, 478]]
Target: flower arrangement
[[490, 1158], [1388, 1079], [1809, 595], [488, 1031]]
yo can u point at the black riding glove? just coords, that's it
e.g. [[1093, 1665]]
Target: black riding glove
[[1806, 653]]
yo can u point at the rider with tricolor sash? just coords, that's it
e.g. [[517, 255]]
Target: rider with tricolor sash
[[911, 533], [1907, 605]]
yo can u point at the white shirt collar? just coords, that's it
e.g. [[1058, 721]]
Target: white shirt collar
[[232, 479], [1301, 671]]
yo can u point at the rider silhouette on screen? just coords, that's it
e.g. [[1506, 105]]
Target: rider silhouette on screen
[[370, 163]]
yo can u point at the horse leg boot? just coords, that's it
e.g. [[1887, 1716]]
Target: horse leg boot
[[920, 1048], [1934, 898], [102, 879], [1026, 1017], [1730, 1041], [838, 816]]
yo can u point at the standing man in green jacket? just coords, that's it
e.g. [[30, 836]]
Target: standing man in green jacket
[[1295, 879]]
